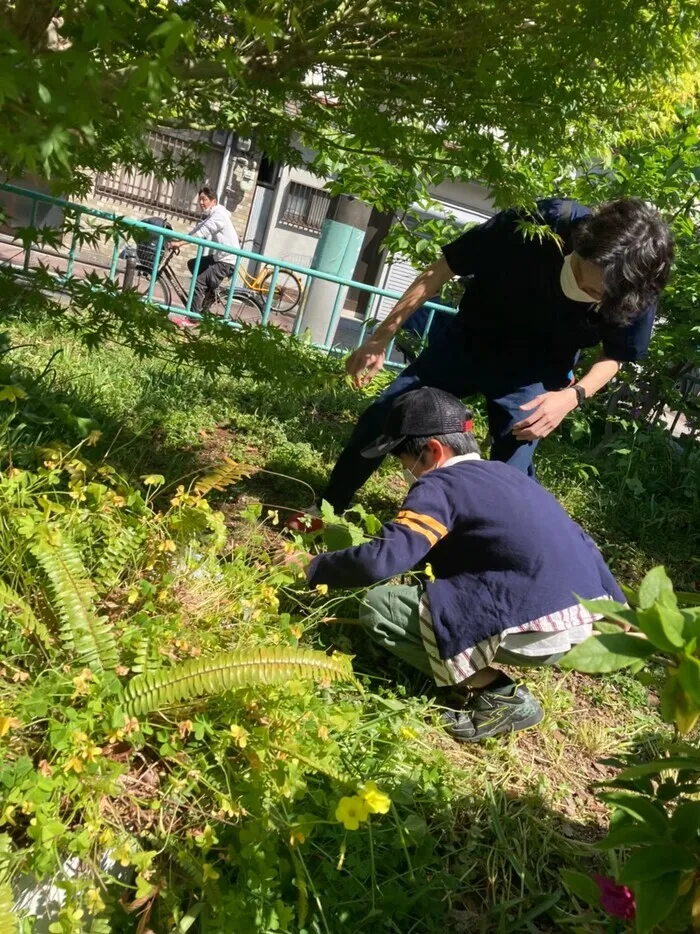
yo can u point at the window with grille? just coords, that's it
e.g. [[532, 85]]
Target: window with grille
[[177, 196], [305, 207]]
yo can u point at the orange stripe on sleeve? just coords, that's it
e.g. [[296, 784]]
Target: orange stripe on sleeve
[[425, 520], [416, 527]]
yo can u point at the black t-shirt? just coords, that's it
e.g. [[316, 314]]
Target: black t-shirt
[[514, 312]]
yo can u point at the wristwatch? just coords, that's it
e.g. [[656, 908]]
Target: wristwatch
[[580, 394]]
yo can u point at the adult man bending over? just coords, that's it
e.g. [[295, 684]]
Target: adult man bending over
[[529, 306]]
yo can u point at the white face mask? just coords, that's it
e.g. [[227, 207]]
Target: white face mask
[[408, 475], [569, 285]]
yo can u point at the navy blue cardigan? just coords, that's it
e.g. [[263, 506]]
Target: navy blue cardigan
[[502, 549]]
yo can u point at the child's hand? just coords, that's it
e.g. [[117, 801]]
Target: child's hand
[[289, 557]]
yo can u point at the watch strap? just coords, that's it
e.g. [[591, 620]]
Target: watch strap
[[580, 394]]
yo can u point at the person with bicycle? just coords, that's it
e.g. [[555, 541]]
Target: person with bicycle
[[530, 304], [218, 265]]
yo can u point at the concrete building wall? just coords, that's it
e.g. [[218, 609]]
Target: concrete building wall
[[285, 241]]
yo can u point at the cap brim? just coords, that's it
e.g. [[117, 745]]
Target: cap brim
[[382, 445]]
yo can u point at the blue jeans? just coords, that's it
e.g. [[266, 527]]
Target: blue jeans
[[449, 365]]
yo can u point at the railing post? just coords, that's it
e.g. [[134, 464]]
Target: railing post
[[114, 261], [156, 267], [270, 296], [231, 289], [193, 282], [28, 248], [73, 244]]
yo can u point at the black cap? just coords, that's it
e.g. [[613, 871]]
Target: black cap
[[422, 413]]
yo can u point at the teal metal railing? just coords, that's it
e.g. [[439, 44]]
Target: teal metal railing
[[117, 230]]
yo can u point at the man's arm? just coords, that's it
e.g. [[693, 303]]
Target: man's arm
[[206, 229], [599, 375], [550, 408], [364, 364]]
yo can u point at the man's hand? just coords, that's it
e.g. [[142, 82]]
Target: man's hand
[[365, 362], [175, 244], [550, 408]]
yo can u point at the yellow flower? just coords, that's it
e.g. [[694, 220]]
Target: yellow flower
[[7, 724], [107, 836], [351, 812], [428, 571], [90, 752], [153, 479], [229, 809], [75, 764], [377, 801], [296, 838], [94, 902], [82, 682], [208, 872], [239, 734], [321, 588], [7, 816], [405, 732], [122, 854]]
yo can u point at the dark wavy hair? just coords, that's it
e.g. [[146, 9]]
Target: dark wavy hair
[[629, 240]]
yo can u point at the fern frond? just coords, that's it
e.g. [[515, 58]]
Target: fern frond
[[117, 556], [190, 865], [222, 476], [17, 608], [8, 917], [199, 677], [82, 630], [146, 655], [315, 764]]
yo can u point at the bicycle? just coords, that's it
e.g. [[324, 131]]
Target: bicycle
[[288, 287], [167, 282]]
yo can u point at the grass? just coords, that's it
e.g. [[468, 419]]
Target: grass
[[642, 508], [522, 806]]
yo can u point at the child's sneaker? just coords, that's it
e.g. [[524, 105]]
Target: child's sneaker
[[496, 709], [308, 521]]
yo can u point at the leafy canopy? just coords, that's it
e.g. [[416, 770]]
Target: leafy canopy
[[506, 92]]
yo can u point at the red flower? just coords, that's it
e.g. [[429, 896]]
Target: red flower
[[616, 899]]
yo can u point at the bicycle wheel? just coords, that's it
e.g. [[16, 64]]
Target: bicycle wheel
[[243, 308], [287, 290], [162, 294]]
